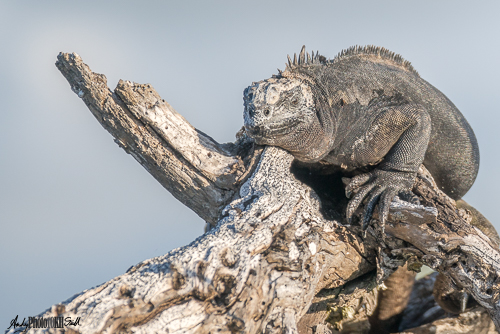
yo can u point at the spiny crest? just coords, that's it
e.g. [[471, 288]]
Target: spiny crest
[[304, 58], [375, 51]]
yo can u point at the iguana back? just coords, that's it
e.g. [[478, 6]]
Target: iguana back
[[361, 74]]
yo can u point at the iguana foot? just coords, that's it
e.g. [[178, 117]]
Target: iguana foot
[[378, 186]]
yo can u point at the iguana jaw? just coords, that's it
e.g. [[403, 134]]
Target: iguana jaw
[[308, 148]]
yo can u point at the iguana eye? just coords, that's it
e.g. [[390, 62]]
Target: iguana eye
[[250, 96], [295, 101]]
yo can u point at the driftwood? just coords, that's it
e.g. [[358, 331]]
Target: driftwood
[[277, 257]]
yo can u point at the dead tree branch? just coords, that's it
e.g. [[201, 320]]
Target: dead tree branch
[[199, 172], [273, 248]]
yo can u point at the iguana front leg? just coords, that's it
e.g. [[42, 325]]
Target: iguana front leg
[[395, 137]]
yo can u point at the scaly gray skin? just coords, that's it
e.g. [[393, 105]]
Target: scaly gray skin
[[366, 107]]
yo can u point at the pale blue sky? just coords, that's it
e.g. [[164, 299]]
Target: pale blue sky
[[76, 210]]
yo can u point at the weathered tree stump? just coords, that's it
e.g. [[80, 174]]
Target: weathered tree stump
[[277, 257]]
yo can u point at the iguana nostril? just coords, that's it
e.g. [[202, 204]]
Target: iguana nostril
[[251, 111]]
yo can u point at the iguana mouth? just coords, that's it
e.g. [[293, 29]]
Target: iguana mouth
[[270, 131]]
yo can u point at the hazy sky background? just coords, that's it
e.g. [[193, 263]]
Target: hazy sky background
[[76, 210]]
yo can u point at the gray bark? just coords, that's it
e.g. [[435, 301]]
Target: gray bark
[[273, 262]]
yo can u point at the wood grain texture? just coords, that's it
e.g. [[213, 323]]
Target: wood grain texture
[[273, 262]]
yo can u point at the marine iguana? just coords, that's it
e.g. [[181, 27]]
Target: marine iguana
[[365, 107], [368, 107]]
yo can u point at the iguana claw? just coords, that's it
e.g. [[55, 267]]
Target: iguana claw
[[380, 187]]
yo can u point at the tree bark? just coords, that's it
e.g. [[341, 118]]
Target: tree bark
[[274, 260]]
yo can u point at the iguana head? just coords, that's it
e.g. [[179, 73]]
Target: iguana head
[[282, 112], [291, 110]]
